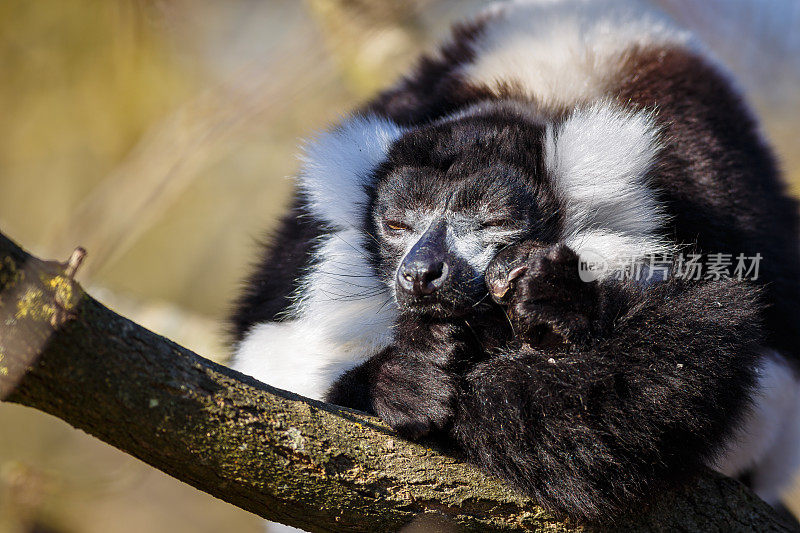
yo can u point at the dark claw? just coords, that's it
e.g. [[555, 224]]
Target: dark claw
[[499, 287], [509, 265]]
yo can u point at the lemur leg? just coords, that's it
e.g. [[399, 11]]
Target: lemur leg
[[647, 388]]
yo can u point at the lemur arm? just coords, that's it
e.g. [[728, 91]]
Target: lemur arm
[[411, 384], [597, 424]]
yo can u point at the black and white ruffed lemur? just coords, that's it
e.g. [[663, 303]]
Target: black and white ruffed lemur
[[427, 271]]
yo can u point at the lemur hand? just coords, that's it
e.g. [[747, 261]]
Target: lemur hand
[[543, 292], [410, 385], [413, 396]]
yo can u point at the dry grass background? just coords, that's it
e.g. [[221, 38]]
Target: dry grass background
[[159, 134]]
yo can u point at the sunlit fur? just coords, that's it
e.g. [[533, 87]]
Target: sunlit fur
[[596, 127]]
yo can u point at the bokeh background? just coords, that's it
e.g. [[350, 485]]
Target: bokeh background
[[161, 135]]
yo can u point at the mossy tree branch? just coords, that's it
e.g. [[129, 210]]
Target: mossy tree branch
[[271, 452]]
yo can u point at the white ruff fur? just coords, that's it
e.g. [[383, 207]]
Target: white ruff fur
[[599, 159], [338, 164], [342, 314], [565, 52]]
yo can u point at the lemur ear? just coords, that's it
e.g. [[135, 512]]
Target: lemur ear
[[338, 166]]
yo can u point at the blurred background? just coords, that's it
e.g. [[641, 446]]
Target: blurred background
[[161, 135]]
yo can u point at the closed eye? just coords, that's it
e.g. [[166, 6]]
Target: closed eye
[[501, 223], [396, 225]]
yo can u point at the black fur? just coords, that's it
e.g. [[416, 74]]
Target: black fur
[[589, 396], [648, 383], [645, 386], [718, 179], [435, 88], [593, 429], [411, 385]]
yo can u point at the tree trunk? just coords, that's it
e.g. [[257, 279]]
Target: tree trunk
[[283, 457]]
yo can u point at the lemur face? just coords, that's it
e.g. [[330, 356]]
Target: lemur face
[[448, 198]]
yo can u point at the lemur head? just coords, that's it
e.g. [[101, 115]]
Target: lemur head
[[428, 207], [449, 196]]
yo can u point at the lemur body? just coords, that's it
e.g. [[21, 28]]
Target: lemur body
[[542, 132]]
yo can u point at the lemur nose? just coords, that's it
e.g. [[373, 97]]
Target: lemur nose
[[421, 278]]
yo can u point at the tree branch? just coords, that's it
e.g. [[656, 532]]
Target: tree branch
[[271, 452]]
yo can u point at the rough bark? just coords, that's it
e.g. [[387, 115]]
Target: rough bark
[[271, 452]]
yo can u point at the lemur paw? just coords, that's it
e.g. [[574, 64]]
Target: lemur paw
[[541, 287], [415, 398]]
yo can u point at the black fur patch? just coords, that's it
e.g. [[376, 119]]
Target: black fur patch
[[592, 431], [434, 88], [590, 427], [717, 178]]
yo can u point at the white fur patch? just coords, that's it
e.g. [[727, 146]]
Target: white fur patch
[[338, 165], [343, 315], [767, 441], [565, 52], [473, 249], [599, 159]]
